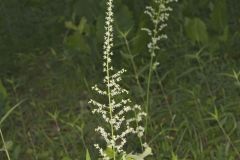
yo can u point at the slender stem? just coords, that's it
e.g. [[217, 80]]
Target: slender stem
[[109, 39], [132, 62], [61, 137], [136, 77], [152, 52], [147, 106], [4, 145], [110, 106], [33, 146], [165, 96], [228, 138], [140, 138], [108, 43]]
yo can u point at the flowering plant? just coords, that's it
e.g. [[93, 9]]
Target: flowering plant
[[158, 15], [122, 117], [119, 113]]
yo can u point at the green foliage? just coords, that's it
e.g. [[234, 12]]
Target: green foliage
[[219, 16], [126, 23], [76, 40], [196, 30], [5, 116], [50, 53]]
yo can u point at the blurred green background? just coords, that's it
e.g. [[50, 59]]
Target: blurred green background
[[51, 54]]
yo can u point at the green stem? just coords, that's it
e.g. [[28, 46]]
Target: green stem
[[164, 95], [147, 106], [33, 146], [135, 75], [152, 52], [228, 138], [4, 145], [61, 137], [110, 106], [140, 138], [132, 62]]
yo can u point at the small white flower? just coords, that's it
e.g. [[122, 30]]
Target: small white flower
[[158, 17]]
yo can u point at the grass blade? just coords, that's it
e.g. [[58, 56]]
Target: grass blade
[[10, 111]]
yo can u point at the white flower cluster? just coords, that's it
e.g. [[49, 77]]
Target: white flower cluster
[[117, 110], [158, 16]]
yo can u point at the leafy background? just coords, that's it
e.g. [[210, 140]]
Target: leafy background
[[50, 55]]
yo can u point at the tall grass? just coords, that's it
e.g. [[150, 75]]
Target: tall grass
[[5, 146]]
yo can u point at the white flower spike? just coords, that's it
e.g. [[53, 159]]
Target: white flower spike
[[123, 118]]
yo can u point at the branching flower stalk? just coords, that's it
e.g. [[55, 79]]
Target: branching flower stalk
[[158, 16], [122, 117]]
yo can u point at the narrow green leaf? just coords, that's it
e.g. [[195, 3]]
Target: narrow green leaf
[[147, 152], [3, 91], [10, 111], [70, 25], [88, 155]]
